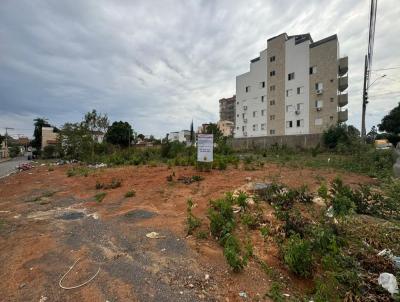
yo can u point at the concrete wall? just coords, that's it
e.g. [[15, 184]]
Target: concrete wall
[[325, 58], [276, 112], [249, 121], [293, 141], [297, 105]]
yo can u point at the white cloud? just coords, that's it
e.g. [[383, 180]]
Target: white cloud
[[158, 64]]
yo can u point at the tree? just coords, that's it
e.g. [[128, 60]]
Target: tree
[[191, 133], [371, 135], [391, 122], [119, 133], [212, 128], [74, 141], [37, 133], [95, 123], [340, 134], [2, 138], [141, 136]]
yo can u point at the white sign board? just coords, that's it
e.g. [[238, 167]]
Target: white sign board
[[205, 146]]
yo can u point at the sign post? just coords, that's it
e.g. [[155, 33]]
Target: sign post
[[205, 147]]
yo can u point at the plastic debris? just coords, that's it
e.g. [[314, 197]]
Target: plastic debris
[[243, 295], [388, 281], [154, 235], [329, 212], [388, 254]]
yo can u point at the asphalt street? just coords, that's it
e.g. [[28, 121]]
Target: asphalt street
[[6, 167]]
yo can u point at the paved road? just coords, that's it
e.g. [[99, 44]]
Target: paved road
[[9, 166]]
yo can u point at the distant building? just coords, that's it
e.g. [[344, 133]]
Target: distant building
[[182, 136], [226, 127], [227, 109], [3, 150], [295, 86], [202, 128], [49, 136]]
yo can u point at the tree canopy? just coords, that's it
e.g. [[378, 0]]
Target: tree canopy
[[37, 133], [391, 122], [119, 133]]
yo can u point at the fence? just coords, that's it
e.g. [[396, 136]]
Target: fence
[[294, 141]]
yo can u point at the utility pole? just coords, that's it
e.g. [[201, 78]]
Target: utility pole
[[368, 64], [364, 100], [6, 142]]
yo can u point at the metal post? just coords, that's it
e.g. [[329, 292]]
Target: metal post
[[364, 100]]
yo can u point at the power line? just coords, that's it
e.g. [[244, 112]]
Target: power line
[[390, 68]]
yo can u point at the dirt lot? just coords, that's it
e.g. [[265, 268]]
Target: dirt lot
[[49, 220]]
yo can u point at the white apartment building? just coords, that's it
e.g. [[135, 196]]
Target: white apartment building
[[294, 87]]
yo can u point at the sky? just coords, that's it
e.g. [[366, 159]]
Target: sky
[[160, 64]]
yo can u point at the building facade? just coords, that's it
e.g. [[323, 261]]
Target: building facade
[[226, 127], [49, 137], [182, 136], [296, 86], [227, 109]]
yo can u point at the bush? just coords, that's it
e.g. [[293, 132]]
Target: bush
[[232, 253], [49, 151], [221, 217], [100, 196], [297, 255], [342, 205], [130, 193], [192, 221]]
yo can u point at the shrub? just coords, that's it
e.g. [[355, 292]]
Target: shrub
[[192, 221], [241, 199], [323, 191], [264, 231], [232, 253], [342, 205], [297, 255], [49, 151], [250, 220], [115, 183], [81, 171], [100, 196], [221, 217], [130, 193]]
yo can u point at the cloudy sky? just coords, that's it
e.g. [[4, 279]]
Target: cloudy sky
[[158, 64]]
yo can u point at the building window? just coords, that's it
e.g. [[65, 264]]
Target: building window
[[237, 115], [255, 127], [300, 123], [318, 86], [289, 108], [272, 131], [254, 113], [262, 98], [244, 107], [243, 128], [291, 76], [237, 102], [272, 88], [247, 88], [318, 121], [262, 112], [300, 90], [237, 128], [272, 59], [313, 69], [262, 84], [289, 124], [263, 126], [272, 117], [272, 102], [289, 92], [331, 118], [272, 73], [331, 100], [319, 104], [299, 106]]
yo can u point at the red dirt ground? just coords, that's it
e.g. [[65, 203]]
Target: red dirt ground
[[37, 247]]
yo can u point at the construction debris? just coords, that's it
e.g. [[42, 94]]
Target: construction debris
[[388, 281]]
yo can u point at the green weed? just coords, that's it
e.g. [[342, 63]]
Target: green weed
[[100, 196]]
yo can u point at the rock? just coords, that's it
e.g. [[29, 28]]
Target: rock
[[243, 295], [43, 299], [206, 276], [248, 178]]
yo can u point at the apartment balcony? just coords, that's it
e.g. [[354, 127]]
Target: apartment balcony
[[343, 83], [342, 100], [343, 66], [343, 116]]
